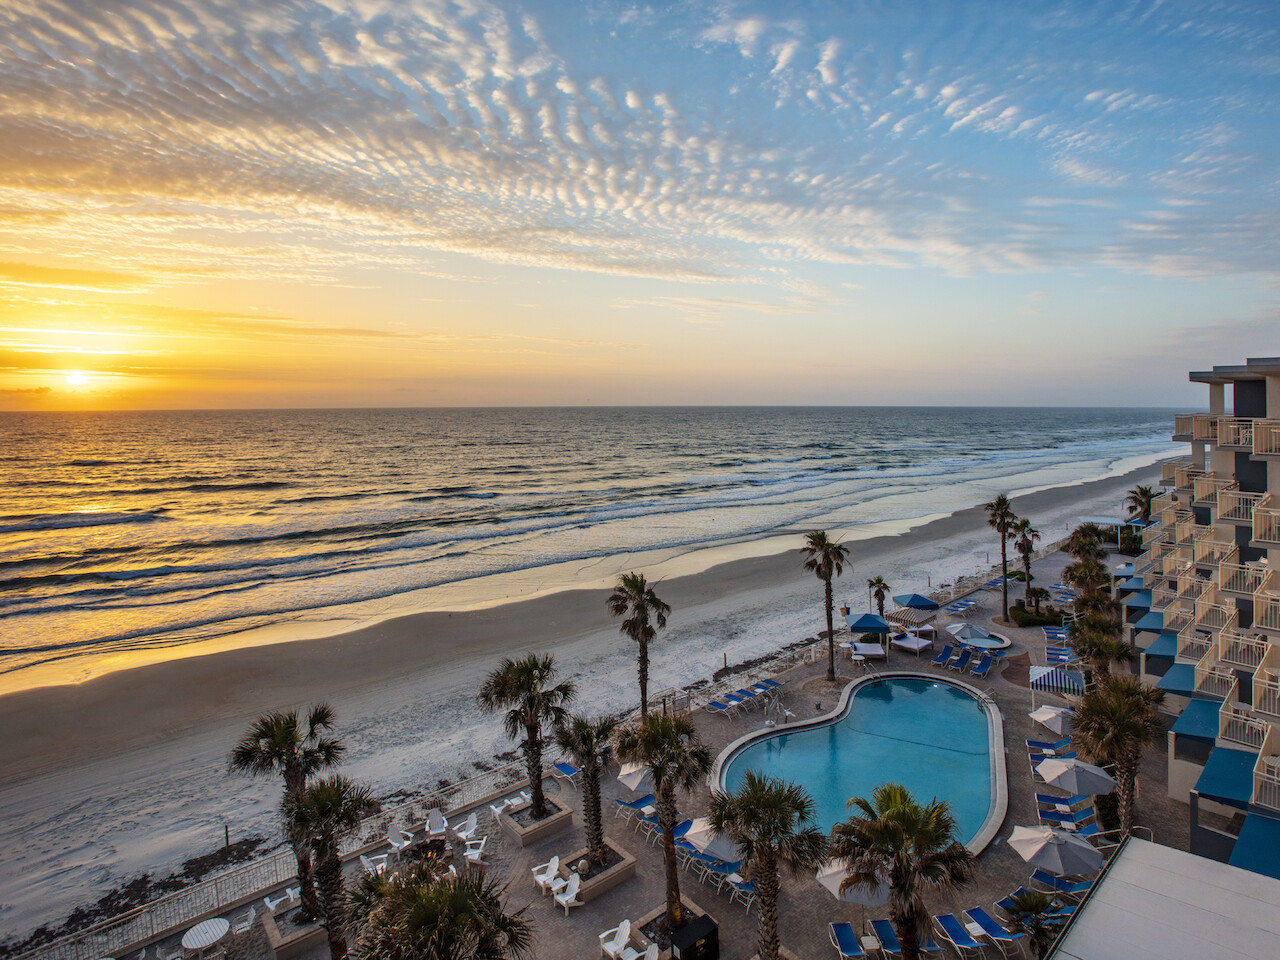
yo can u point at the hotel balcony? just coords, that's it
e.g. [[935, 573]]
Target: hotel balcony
[[1204, 426], [1266, 772], [1184, 478], [1266, 609], [1241, 651], [1237, 506], [1186, 531], [1214, 680], [1162, 502], [1212, 615], [1235, 433], [1175, 562], [1183, 427], [1238, 726], [1211, 553], [1240, 579], [1169, 469], [1266, 683], [1151, 534], [1162, 595], [1192, 644], [1205, 489], [1266, 439], [1266, 523]]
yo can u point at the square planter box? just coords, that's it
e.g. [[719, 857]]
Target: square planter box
[[295, 944], [601, 882], [559, 820], [691, 909]]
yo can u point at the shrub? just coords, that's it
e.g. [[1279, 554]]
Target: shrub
[[1048, 617]]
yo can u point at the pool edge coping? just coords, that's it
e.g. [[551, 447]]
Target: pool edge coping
[[997, 768]]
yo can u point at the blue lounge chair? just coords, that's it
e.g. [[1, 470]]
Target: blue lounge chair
[[1005, 905], [889, 944], [1067, 821], [722, 871], [649, 824], [748, 696], [723, 709], [1059, 886], [1045, 747], [992, 930], [961, 661], [629, 808], [734, 699], [953, 931], [743, 890], [947, 652], [771, 684], [994, 583], [983, 667], [845, 940], [1063, 804], [566, 771]]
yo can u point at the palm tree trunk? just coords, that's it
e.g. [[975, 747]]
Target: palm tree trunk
[[765, 876], [831, 631], [591, 813], [643, 661], [667, 823], [533, 764], [329, 874], [306, 878], [1126, 779], [908, 937], [1004, 574], [1026, 574]]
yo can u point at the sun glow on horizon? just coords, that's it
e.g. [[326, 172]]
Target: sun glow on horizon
[[77, 379]]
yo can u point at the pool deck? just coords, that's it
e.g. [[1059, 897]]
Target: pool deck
[[805, 908]]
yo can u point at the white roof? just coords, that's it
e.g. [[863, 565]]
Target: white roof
[[1159, 903]]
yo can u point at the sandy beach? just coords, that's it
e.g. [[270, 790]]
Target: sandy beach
[[126, 773]]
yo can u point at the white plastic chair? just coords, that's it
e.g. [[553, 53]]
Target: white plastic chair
[[543, 873], [436, 823], [399, 839], [273, 903], [475, 850], [242, 926], [375, 864], [568, 897], [629, 953], [499, 808], [613, 941], [468, 829]]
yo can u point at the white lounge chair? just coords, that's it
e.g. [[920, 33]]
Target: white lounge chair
[[629, 953], [612, 942], [543, 873], [468, 828], [399, 839], [499, 808], [376, 864], [436, 823], [244, 923], [475, 850], [273, 903], [568, 897]]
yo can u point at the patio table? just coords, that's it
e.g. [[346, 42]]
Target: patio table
[[205, 934]]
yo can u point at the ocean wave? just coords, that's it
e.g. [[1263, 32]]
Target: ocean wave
[[72, 521]]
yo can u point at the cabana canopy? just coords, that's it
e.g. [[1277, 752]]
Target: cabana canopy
[[867, 623], [915, 601], [1057, 680], [911, 617]]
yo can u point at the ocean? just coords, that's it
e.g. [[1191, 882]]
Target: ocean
[[122, 532]]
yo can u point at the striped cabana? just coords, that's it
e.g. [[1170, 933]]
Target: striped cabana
[[1057, 680], [911, 618]]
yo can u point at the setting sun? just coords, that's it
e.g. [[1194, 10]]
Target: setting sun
[[77, 379]]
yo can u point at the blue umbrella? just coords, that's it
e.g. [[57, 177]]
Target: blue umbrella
[[867, 623], [915, 601]]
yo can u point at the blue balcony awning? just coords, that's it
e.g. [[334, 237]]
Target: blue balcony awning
[[1165, 647], [1180, 679], [1199, 721], [1151, 621], [1140, 601], [1133, 583], [1258, 846], [1228, 777], [1125, 571]]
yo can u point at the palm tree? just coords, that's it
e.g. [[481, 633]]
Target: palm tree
[[879, 589], [1100, 647], [645, 614], [1035, 595], [587, 742], [1089, 575], [1139, 501], [1085, 542], [677, 759], [1030, 915], [324, 812], [1000, 515], [1024, 541], [419, 913], [826, 559], [525, 686], [1112, 725], [770, 820], [278, 743], [913, 847]]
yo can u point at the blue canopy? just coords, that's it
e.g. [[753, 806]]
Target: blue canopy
[[1228, 777], [915, 601], [1258, 846], [1198, 721], [1139, 601], [1153, 621], [867, 623]]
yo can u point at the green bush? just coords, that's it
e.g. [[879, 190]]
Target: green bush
[[1108, 810], [1048, 617]]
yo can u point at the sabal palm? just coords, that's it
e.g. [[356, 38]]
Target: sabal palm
[[879, 589], [587, 742], [279, 743], [1099, 646], [1089, 575], [893, 839], [826, 559], [1024, 541], [1085, 543], [419, 913], [677, 760], [1112, 725], [526, 688], [645, 615], [1139, 501], [1001, 517], [1029, 914], [770, 820], [324, 812]]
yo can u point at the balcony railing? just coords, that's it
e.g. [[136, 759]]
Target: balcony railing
[[1240, 578], [1186, 531], [1241, 650], [1266, 523], [1266, 612], [1152, 533], [1235, 433], [1205, 489], [1266, 772], [1176, 561], [1266, 683], [1192, 645], [1183, 426], [1178, 616], [1184, 477], [1190, 586], [1236, 506], [1162, 595], [1163, 501], [1204, 426], [1211, 553], [1266, 438], [1213, 679], [1238, 725], [1212, 615]]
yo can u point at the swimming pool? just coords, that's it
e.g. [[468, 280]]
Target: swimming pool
[[934, 736]]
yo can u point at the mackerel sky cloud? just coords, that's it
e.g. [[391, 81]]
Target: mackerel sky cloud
[[634, 203]]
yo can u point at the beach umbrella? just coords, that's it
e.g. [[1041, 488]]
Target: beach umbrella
[[1076, 776], [712, 842], [832, 875], [635, 777], [967, 631], [1062, 854], [1055, 718], [915, 601], [867, 623]]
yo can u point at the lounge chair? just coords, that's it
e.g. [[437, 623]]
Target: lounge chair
[[650, 953], [734, 700], [945, 656], [845, 940], [722, 871], [566, 771], [961, 661], [750, 696], [1059, 886], [1063, 804], [884, 932], [983, 667], [770, 683], [612, 942], [244, 923], [1005, 904], [1044, 746], [436, 823], [375, 865], [743, 890], [723, 709], [629, 808], [468, 828], [568, 897], [954, 932], [273, 903], [475, 850], [544, 873], [992, 930], [399, 839], [1067, 821]]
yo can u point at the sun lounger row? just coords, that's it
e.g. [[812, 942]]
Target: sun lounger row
[[745, 697], [960, 606], [998, 581], [981, 662], [883, 939], [1056, 634]]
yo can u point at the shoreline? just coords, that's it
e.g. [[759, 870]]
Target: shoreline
[[133, 763]]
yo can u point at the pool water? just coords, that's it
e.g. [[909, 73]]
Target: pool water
[[931, 736]]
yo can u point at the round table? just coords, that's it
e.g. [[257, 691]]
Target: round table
[[859, 661], [205, 934]]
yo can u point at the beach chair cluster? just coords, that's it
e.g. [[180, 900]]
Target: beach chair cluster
[[1040, 750], [618, 944], [961, 607], [961, 658], [997, 583], [1055, 634], [1056, 656], [561, 885], [758, 694], [880, 939], [712, 871]]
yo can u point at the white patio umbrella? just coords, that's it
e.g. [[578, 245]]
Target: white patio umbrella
[[712, 842], [832, 875], [635, 776], [1062, 854], [1076, 776], [967, 631], [1055, 718]]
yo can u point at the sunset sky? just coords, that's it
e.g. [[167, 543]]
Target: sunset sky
[[216, 203]]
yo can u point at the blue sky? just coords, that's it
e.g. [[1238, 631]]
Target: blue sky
[[209, 203]]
